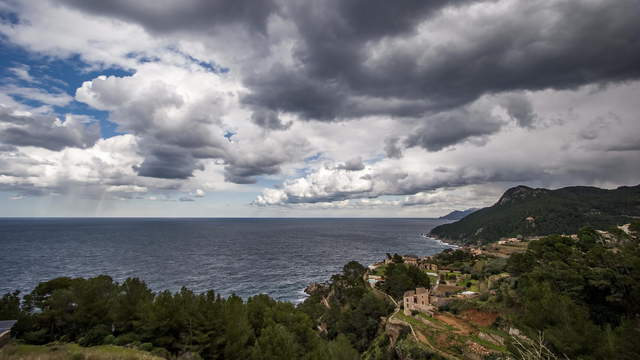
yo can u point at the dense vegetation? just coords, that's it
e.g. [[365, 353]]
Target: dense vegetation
[[579, 295], [401, 277], [526, 211], [583, 295], [100, 311], [346, 307]]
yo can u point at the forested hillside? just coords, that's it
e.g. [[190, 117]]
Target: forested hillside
[[526, 211]]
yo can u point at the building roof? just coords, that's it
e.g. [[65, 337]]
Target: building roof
[[6, 325], [421, 290], [409, 293]]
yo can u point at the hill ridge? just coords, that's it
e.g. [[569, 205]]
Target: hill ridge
[[527, 211]]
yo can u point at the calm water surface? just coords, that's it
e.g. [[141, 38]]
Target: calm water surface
[[278, 257]]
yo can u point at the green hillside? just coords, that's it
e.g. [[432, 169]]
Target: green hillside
[[529, 212]]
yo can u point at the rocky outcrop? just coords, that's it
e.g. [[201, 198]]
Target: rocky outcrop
[[315, 288]]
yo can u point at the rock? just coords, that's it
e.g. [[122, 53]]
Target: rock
[[314, 288]]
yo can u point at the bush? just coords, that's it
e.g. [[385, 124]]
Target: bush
[[109, 340], [146, 346], [125, 339], [94, 336], [161, 352]]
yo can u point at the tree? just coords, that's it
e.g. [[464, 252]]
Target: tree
[[238, 332], [276, 342], [126, 310], [400, 278], [341, 349], [397, 259], [10, 306]]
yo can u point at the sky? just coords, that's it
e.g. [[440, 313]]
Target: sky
[[328, 108]]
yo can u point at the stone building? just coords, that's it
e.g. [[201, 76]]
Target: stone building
[[418, 300], [410, 260], [428, 266]]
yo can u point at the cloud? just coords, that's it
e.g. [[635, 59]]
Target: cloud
[[46, 131], [176, 125], [345, 104], [21, 71], [37, 94], [327, 185], [391, 147], [188, 15], [547, 156], [519, 108], [269, 120], [439, 55], [179, 117], [453, 127], [354, 164]]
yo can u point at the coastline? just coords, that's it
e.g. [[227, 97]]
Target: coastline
[[440, 241]]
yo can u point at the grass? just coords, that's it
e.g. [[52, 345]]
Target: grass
[[488, 344], [57, 351], [437, 322], [380, 271], [474, 285], [416, 323]]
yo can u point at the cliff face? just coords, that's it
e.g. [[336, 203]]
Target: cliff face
[[527, 211]]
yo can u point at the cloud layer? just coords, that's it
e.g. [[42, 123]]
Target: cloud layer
[[323, 106]]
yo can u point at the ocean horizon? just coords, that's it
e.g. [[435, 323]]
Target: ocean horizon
[[242, 256]]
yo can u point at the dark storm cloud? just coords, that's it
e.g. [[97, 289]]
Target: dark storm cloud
[[269, 119], [45, 131], [453, 127], [626, 145], [330, 55], [190, 15], [7, 148], [246, 172], [537, 45], [168, 163]]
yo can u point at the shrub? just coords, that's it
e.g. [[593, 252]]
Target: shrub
[[161, 352], [109, 339], [94, 336], [125, 339]]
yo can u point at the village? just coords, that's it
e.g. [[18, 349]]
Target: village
[[427, 311]]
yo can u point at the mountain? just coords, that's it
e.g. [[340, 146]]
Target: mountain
[[529, 212], [458, 214]]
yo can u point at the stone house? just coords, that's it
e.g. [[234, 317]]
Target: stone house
[[417, 300], [410, 260], [428, 267]]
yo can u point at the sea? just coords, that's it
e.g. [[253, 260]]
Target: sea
[[241, 256]]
